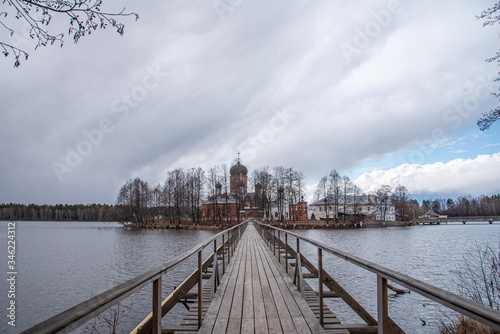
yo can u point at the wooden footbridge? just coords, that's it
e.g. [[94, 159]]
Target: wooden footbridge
[[464, 220], [255, 281]]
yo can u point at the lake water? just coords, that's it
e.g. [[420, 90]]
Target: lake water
[[60, 264]]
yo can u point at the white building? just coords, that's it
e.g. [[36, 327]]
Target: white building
[[363, 207]]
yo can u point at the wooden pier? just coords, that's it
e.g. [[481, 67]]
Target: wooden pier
[[257, 296]]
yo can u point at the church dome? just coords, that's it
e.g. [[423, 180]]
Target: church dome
[[238, 169]]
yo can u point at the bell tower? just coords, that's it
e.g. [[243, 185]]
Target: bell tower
[[238, 178]]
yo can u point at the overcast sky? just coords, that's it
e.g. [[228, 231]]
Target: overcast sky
[[386, 92]]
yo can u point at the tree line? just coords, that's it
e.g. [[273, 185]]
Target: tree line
[[464, 206], [59, 212], [183, 192]]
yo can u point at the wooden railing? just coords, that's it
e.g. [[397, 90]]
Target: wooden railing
[[76, 316], [278, 239]]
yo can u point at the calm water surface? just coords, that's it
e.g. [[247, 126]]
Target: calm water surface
[[60, 264]]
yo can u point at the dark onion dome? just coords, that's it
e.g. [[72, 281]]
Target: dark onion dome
[[238, 169], [218, 185]]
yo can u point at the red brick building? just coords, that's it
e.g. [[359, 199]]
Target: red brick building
[[237, 205], [299, 210]]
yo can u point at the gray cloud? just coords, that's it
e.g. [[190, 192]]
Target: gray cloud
[[223, 81]]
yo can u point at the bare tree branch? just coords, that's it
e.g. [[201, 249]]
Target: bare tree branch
[[85, 16], [491, 17]]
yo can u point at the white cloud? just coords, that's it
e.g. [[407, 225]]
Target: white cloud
[[491, 145], [479, 176]]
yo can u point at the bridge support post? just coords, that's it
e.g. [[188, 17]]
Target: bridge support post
[[223, 256], [157, 306], [274, 242], [215, 268], [286, 252], [279, 247], [320, 289], [382, 308], [200, 290]]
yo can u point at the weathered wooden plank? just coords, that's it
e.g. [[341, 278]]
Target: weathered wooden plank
[[233, 326], [258, 299], [269, 304], [219, 305], [236, 310], [261, 326], [220, 326], [274, 326], [247, 326], [287, 325], [178, 329], [295, 302], [248, 307]]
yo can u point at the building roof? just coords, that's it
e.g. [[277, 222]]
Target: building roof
[[431, 213], [238, 169], [362, 199]]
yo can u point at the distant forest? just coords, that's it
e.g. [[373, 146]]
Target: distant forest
[[60, 212], [462, 206]]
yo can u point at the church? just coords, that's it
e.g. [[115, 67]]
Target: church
[[237, 205]]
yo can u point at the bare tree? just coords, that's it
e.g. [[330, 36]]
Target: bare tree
[[401, 201], [491, 17], [335, 191], [85, 16], [194, 188], [179, 193], [213, 181], [479, 276], [346, 184], [226, 185], [279, 179], [263, 177], [478, 279], [135, 195], [383, 195], [357, 199], [323, 191]]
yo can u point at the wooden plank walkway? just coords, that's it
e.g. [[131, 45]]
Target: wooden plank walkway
[[256, 295]]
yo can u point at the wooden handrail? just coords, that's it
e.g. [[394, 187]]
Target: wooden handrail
[[76, 316], [476, 311]]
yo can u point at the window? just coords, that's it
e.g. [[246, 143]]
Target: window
[[319, 208]]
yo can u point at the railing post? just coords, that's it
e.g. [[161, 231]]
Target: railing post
[[266, 233], [157, 306], [298, 264], [286, 252], [320, 290], [274, 242], [382, 309], [223, 255], [233, 240], [215, 268], [279, 247], [269, 237], [229, 245], [199, 287]]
